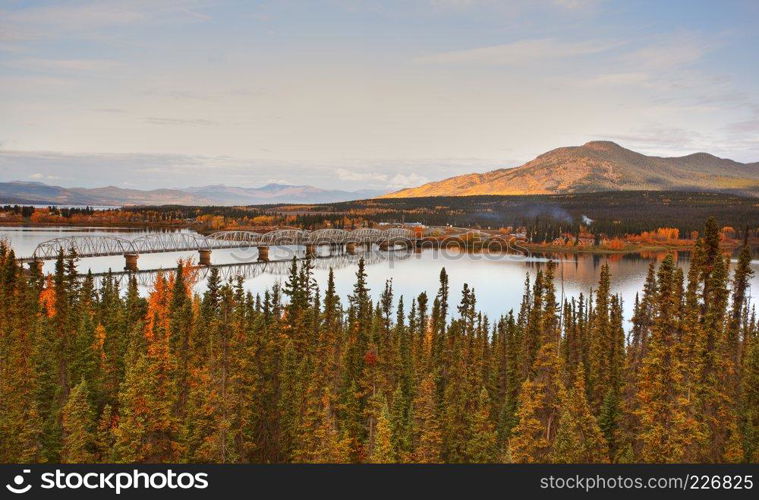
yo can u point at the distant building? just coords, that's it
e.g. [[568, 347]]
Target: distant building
[[401, 224]]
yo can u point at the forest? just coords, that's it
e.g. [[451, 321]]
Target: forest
[[545, 217], [94, 373], [542, 218]]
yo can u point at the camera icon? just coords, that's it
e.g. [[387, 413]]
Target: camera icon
[[18, 483]]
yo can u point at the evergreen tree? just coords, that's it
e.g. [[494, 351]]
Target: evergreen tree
[[78, 427], [578, 437], [667, 426], [428, 439], [539, 403], [382, 451], [482, 446]]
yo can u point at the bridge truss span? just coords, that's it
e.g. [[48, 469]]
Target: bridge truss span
[[284, 237], [327, 237], [170, 242], [83, 246], [232, 239], [105, 245]]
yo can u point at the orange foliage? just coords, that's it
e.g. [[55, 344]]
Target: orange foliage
[[47, 297], [159, 299], [190, 273], [99, 341], [263, 220], [157, 317], [661, 234], [667, 235], [370, 358], [615, 244]]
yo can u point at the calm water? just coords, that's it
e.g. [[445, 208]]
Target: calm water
[[497, 279]]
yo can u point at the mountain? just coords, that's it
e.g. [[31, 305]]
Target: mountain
[[39, 193], [43, 194], [276, 193], [600, 166]]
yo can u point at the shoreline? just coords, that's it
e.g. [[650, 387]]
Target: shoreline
[[471, 246]]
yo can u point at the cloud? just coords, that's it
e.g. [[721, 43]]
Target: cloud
[[152, 171], [746, 126], [457, 4], [28, 82], [40, 176], [671, 51], [407, 180], [74, 65], [193, 122], [615, 79], [672, 140], [345, 174], [520, 52], [83, 18], [564, 4], [396, 181], [576, 4], [665, 63], [110, 110]]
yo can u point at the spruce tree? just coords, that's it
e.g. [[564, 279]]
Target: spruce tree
[[578, 437], [482, 445], [78, 427]]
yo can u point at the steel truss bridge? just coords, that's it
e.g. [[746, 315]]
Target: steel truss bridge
[[230, 272], [105, 245]]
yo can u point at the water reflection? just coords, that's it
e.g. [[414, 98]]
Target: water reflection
[[251, 270], [498, 279]]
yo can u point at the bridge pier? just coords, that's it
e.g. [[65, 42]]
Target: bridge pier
[[311, 250], [263, 254], [37, 265], [350, 247], [385, 246], [130, 261], [205, 257]]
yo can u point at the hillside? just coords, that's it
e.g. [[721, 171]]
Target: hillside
[[600, 166], [276, 193], [41, 194]]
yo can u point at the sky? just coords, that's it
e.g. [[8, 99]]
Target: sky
[[363, 94]]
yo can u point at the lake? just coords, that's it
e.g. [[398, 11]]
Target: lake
[[498, 279]]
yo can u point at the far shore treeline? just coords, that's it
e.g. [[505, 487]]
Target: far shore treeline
[[293, 374], [544, 218]]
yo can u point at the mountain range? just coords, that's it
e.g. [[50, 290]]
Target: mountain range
[[277, 193], [593, 167], [600, 166], [42, 194]]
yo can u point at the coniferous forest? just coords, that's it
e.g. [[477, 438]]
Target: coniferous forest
[[295, 374]]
